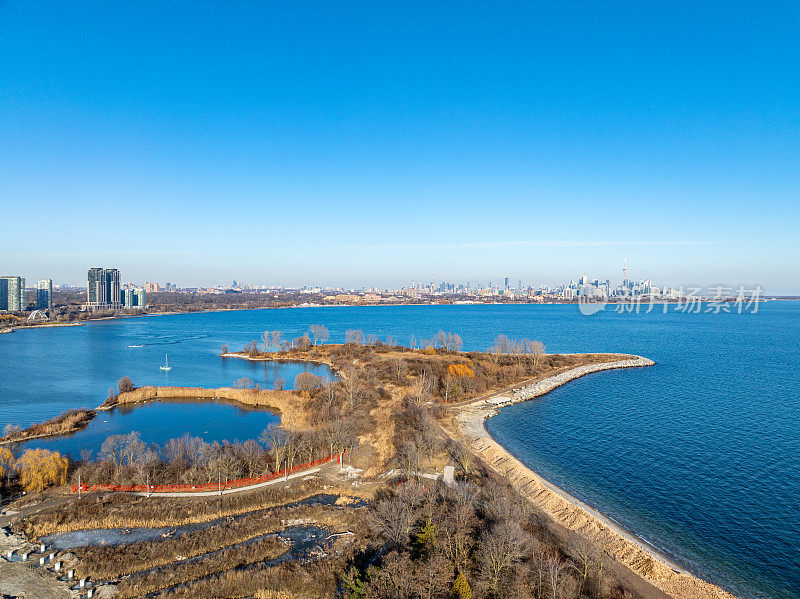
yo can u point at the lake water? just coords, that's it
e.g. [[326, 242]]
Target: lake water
[[164, 419], [700, 454]]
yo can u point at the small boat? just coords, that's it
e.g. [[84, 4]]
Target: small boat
[[135, 346], [166, 365]]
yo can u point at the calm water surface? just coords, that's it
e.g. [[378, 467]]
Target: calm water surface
[[699, 455], [164, 419]]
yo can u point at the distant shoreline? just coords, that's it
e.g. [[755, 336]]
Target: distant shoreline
[[611, 305], [564, 508]]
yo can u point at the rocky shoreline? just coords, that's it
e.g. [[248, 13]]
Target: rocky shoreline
[[567, 510]]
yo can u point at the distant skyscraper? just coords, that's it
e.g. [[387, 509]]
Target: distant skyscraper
[[506, 282], [44, 294], [103, 289], [12, 294]]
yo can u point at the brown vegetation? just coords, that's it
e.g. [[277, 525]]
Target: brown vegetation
[[68, 422], [387, 407]]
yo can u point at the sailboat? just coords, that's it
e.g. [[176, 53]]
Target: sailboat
[[166, 365]]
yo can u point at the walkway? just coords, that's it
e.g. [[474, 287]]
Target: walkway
[[229, 491]]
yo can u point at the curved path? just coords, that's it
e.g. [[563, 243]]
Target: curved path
[[229, 491]]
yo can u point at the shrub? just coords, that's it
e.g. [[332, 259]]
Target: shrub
[[125, 384]]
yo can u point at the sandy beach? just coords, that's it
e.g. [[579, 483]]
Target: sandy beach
[[567, 510]]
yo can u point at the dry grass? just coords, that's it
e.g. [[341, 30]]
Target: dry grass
[[102, 562], [307, 581], [178, 572], [68, 422], [128, 511]]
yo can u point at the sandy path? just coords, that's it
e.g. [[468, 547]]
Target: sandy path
[[567, 510]]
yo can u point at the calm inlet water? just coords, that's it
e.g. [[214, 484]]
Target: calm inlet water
[[162, 420], [699, 455]]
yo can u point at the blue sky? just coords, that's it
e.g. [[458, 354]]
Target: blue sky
[[375, 143]]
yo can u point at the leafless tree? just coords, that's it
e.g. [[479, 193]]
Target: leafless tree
[[354, 336], [502, 345], [351, 385], [535, 349], [266, 339], [398, 371], [391, 519], [502, 547], [243, 383], [251, 453], [277, 336], [554, 569], [275, 438], [307, 382], [320, 333], [125, 385], [440, 340], [456, 530]]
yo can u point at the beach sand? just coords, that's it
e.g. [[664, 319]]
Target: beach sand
[[567, 510]]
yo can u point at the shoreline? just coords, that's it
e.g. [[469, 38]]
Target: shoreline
[[279, 358], [567, 510], [285, 404]]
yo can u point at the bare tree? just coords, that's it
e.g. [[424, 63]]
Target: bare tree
[[535, 349], [440, 340], [398, 371], [502, 546], [554, 569], [276, 340], [125, 384], [320, 333], [251, 452], [502, 345], [392, 519], [354, 336], [351, 385], [266, 340], [243, 383], [305, 382], [275, 438]]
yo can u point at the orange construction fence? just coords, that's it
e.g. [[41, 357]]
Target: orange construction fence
[[230, 484]]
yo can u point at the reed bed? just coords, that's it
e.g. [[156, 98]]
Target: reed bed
[[128, 511], [181, 572], [312, 580], [102, 562]]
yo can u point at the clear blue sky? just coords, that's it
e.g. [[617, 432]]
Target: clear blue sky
[[377, 143]]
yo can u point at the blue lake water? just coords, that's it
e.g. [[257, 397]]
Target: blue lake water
[[164, 419], [700, 454]]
